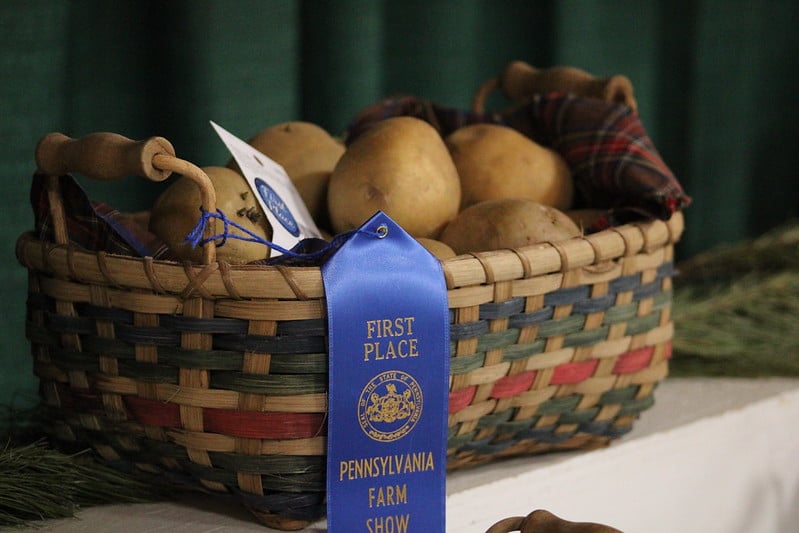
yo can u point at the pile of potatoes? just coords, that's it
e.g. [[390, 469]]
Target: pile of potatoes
[[483, 187]]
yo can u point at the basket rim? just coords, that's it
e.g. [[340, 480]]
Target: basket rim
[[220, 279]]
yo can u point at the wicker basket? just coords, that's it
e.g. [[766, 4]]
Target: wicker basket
[[216, 375]]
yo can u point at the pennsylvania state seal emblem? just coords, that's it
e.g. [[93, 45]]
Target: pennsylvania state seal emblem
[[390, 406]]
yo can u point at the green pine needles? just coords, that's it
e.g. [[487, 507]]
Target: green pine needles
[[736, 309], [38, 482]]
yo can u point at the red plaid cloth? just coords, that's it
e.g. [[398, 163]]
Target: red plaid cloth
[[95, 226], [444, 120], [613, 161]]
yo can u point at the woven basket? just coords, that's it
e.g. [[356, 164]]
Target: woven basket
[[216, 375]]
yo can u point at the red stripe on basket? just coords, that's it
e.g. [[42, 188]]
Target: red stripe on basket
[[258, 425], [153, 412], [634, 360], [570, 373], [512, 385], [247, 424], [668, 350], [460, 399]]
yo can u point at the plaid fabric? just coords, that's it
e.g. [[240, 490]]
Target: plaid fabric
[[94, 226], [614, 163], [444, 120]]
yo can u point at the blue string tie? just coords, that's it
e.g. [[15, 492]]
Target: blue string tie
[[309, 250]]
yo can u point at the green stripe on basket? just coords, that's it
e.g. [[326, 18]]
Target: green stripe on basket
[[456, 441], [293, 483], [521, 351], [283, 363], [494, 419], [642, 324], [585, 337], [298, 363], [579, 416], [620, 313], [269, 464], [499, 339], [206, 359], [515, 426], [561, 326], [662, 299], [287, 384], [558, 406], [633, 407], [618, 396], [148, 372], [109, 347], [466, 363]]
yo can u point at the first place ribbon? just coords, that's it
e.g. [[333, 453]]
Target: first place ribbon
[[388, 324]]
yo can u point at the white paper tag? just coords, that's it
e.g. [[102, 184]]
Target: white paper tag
[[291, 222]]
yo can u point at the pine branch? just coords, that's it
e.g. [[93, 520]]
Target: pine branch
[[775, 250], [38, 482], [735, 309]]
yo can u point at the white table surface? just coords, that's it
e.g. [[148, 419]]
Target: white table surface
[[712, 455]]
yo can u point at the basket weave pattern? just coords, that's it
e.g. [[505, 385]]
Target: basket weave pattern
[[216, 375], [562, 350]]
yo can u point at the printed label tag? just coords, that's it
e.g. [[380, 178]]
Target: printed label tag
[[388, 324], [289, 217]]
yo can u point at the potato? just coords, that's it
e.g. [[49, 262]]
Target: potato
[[308, 154], [507, 223], [496, 161], [177, 210], [437, 248], [401, 166]]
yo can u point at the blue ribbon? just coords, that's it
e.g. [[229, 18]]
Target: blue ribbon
[[388, 340]]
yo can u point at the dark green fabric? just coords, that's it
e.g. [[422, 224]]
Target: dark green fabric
[[715, 80]]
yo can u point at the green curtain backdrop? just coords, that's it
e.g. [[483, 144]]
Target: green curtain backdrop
[[716, 82]]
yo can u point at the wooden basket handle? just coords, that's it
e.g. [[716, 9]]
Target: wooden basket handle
[[109, 156], [102, 156], [482, 93]]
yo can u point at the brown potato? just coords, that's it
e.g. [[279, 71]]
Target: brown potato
[[507, 223], [308, 154], [495, 161], [177, 211], [400, 166], [437, 248]]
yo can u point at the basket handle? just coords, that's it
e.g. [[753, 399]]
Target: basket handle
[[109, 156], [102, 156], [482, 93]]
